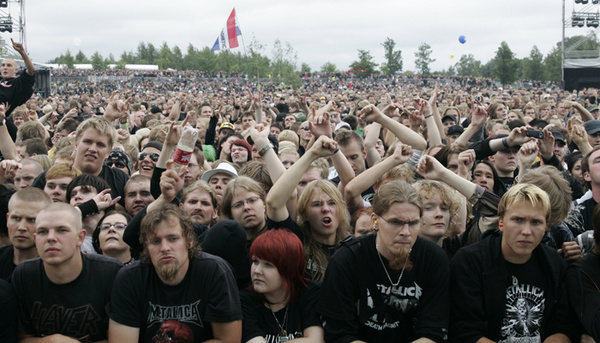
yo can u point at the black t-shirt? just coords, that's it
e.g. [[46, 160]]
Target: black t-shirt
[[358, 302], [8, 315], [580, 216], [525, 302], [259, 320], [16, 91], [7, 265], [75, 309], [208, 293], [115, 178]]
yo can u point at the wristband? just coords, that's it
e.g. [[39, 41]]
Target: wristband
[[505, 142], [337, 148], [427, 116], [264, 150], [3, 122]]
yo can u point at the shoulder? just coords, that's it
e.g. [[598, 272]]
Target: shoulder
[[101, 260], [6, 251], [205, 261], [30, 269]]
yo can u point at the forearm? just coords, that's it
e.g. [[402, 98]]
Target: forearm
[[438, 120], [585, 114], [28, 63], [343, 168], [175, 111], [367, 178], [557, 338], [465, 187], [165, 154], [404, 134], [463, 139], [7, 145], [433, 132], [485, 340], [423, 340]]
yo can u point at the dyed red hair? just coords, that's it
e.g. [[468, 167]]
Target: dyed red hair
[[286, 252]]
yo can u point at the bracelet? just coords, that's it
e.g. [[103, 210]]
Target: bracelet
[[337, 148], [505, 142], [264, 150], [431, 115]]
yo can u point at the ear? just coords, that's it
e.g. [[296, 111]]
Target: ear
[[364, 153], [81, 237], [500, 224], [374, 218], [587, 177]]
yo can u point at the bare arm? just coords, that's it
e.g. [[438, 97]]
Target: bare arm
[[56, 338], [286, 184], [585, 114], [175, 110], [230, 332], [122, 333], [371, 113], [431, 169], [21, 50], [478, 119], [557, 338], [370, 142], [7, 146]]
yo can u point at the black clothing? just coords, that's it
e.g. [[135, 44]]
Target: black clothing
[[480, 284], [7, 265], [259, 321], [580, 216], [583, 281], [357, 301], [16, 91], [75, 309], [208, 293], [8, 315]]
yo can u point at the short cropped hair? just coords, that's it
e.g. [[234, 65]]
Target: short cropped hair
[[100, 125], [525, 192]]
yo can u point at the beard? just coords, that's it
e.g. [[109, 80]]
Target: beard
[[168, 271], [401, 259]]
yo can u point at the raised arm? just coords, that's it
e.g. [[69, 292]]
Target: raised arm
[[371, 137], [431, 169], [433, 131], [585, 114], [21, 50], [371, 113], [478, 119], [366, 179], [7, 145], [286, 184]]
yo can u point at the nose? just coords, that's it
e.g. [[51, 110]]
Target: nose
[[164, 245], [404, 230]]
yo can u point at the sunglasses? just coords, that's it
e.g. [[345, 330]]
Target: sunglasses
[[153, 156]]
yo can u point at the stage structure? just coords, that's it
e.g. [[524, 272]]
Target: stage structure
[[581, 67]]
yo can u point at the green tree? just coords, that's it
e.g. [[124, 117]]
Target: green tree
[[165, 57], [259, 63], [553, 65], [177, 58], [305, 69], [68, 60], [80, 58], [328, 67], [207, 60], [506, 69], [128, 58], [98, 62], [110, 60], [365, 65], [423, 59], [393, 58], [283, 63], [467, 65], [533, 66]]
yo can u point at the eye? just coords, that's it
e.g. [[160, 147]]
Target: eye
[[42, 232]]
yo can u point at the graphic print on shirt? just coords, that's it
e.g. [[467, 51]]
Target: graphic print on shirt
[[68, 321], [173, 331], [398, 301], [523, 313], [188, 313]]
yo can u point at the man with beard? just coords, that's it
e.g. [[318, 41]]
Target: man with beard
[[137, 194], [174, 291], [199, 201], [391, 286]]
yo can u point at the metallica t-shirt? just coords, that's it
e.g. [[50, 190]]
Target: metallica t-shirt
[[181, 313]]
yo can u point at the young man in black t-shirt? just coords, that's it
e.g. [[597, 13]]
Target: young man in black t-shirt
[[508, 287], [174, 293], [23, 208], [63, 294]]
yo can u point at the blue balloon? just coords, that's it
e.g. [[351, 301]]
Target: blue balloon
[[462, 39]]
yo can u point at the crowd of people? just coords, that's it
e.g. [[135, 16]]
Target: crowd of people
[[379, 210]]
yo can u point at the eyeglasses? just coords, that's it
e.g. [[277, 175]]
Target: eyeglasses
[[119, 165], [250, 201], [399, 224], [153, 156], [304, 128], [118, 226], [192, 166], [239, 149]]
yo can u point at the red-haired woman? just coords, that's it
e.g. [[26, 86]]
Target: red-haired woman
[[279, 305]]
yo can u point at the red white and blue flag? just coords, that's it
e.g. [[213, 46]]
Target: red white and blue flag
[[228, 37]]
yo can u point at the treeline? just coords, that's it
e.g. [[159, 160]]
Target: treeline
[[281, 64]]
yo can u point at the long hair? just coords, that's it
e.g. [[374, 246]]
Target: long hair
[[312, 247], [286, 252]]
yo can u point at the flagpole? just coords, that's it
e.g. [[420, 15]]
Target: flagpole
[[244, 45]]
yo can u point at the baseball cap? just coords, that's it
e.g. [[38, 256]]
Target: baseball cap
[[558, 136], [226, 125], [592, 126], [455, 129], [448, 117], [118, 156]]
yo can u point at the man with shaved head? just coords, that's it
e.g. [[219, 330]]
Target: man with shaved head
[[16, 90]]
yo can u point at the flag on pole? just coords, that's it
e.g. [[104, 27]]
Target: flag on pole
[[227, 39]]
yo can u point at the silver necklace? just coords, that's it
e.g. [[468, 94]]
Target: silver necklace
[[385, 269], [282, 332]]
